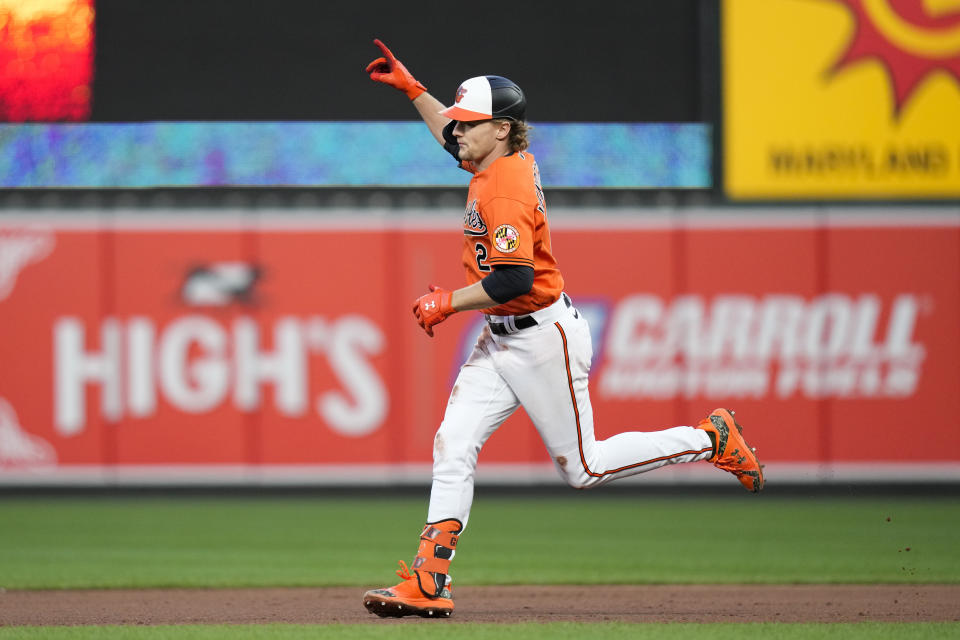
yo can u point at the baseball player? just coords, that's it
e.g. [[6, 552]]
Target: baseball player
[[534, 350]]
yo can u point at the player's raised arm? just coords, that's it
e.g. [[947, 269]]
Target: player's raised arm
[[388, 70]]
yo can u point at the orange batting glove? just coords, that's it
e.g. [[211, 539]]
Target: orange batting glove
[[388, 70], [433, 308]]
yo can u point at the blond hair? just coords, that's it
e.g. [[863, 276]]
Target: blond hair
[[519, 138]]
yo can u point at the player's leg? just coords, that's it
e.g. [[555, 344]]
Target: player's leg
[[549, 374], [479, 403]]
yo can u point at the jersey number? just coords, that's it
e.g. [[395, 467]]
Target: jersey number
[[481, 256]]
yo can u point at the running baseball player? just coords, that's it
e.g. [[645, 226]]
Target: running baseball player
[[534, 350]]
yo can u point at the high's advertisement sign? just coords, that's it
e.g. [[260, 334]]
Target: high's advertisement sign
[[841, 98], [289, 348]]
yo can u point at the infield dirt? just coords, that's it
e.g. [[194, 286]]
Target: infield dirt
[[624, 603]]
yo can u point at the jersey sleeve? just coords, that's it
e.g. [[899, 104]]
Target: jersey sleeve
[[510, 230]]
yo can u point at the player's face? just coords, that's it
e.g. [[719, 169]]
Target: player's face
[[477, 139]]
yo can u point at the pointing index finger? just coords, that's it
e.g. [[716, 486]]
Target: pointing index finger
[[386, 52]]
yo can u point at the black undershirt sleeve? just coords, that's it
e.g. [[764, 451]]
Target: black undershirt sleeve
[[508, 281]]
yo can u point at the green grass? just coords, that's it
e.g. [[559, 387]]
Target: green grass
[[577, 538], [531, 631]]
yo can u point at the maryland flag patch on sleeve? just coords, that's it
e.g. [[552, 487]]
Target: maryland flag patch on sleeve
[[506, 238]]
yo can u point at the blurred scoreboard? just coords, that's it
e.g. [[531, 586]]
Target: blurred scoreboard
[[119, 94]]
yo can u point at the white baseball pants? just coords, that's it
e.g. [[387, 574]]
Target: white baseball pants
[[545, 369]]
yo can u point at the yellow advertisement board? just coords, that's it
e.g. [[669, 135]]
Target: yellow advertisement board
[[855, 99]]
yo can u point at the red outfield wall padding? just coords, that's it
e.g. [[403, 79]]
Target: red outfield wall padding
[[218, 346]]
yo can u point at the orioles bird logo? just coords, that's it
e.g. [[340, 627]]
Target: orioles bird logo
[[912, 39], [460, 93]]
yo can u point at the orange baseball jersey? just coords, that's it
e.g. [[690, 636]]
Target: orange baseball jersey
[[505, 222]]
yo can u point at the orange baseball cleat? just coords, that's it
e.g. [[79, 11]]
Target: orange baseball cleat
[[732, 452], [407, 599]]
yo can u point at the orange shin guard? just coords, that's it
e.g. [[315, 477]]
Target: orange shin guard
[[438, 541]]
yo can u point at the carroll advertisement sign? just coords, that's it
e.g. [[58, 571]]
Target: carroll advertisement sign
[[841, 98], [274, 349], [777, 346]]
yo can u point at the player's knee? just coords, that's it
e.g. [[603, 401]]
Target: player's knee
[[456, 454], [582, 483], [577, 477]]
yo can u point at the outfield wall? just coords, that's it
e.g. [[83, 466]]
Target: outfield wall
[[259, 347]]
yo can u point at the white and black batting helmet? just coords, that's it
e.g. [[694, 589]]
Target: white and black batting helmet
[[487, 97]]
